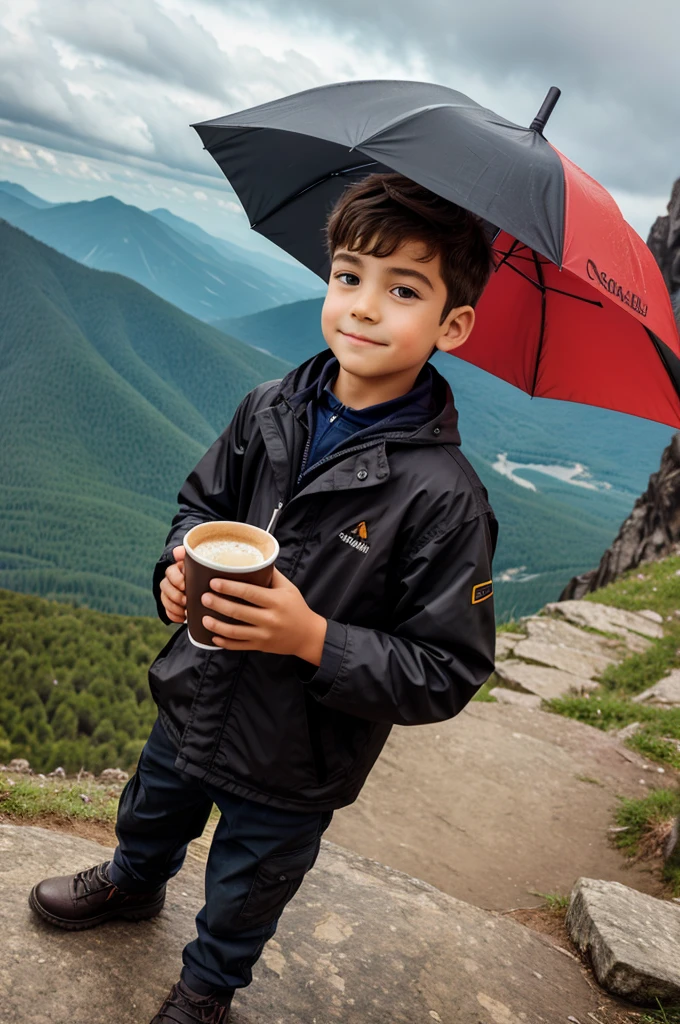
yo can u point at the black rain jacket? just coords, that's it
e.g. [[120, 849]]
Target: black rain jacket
[[387, 539]]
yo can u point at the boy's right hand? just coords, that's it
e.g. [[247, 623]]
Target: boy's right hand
[[172, 587]]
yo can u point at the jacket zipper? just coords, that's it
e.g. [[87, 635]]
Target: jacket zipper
[[345, 451], [334, 455]]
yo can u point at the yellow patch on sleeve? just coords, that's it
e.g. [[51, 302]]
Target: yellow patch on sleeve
[[481, 591]]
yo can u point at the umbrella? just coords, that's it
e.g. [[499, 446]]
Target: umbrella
[[576, 307]]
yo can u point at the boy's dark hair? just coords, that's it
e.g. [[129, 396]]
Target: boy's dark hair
[[389, 209]]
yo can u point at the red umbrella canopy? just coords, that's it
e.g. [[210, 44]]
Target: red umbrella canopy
[[599, 329]]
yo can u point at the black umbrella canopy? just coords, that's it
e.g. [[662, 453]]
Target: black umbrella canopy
[[289, 160]]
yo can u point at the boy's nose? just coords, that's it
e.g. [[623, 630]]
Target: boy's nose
[[364, 309]]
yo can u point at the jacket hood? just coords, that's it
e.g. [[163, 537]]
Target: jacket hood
[[300, 384]]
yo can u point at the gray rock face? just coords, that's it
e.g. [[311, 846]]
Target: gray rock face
[[664, 241], [632, 940], [651, 531], [561, 633], [505, 643], [606, 618], [506, 696], [544, 682], [360, 944], [664, 693], [577, 663]]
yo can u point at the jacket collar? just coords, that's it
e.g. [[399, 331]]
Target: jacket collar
[[306, 381]]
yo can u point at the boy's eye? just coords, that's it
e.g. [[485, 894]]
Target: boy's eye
[[346, 273], [404, 288]]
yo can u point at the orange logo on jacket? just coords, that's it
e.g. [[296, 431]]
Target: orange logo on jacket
[[481, 591], [357, 538]]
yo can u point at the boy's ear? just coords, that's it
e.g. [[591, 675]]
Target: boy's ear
[[457, 328]]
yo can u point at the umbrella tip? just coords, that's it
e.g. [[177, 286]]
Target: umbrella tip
[[547, 107]]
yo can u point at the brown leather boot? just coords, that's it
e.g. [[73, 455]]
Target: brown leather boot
[[184, 1006], [89, 898]]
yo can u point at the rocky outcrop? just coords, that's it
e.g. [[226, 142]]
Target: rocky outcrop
[[664, 241], [631, 939], [651, 531]]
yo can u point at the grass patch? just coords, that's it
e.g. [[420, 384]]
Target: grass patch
[[639, 671], [664, 1015], [648, 821], [554, 900], [657, 590], [659, 737], [31, 798], [512, 626], [483, 693], [605, 710]]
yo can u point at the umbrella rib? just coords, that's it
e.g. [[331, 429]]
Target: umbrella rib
[[320, 181], [541, 285], [506, 256], [549, 288]]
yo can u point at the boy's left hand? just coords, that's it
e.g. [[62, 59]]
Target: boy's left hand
[[277, 619]]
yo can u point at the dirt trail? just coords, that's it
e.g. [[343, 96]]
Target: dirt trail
[[489, 806]]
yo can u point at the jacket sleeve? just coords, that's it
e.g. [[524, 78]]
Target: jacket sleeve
[[211, 489], [441, 647]]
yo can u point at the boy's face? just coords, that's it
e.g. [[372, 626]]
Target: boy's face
[[396, 303]]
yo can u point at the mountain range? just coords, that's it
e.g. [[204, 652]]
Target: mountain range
[[176, 260]]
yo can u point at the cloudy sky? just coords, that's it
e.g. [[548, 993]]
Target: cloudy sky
[[96, 96]]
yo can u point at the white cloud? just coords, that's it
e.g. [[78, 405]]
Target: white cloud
[[232, 207], [46, 157], [201, 196], [18, 152]]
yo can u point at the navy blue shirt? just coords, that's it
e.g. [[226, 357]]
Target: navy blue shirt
[[333, 424]]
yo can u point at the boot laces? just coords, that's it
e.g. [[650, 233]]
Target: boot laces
[[89, 876]]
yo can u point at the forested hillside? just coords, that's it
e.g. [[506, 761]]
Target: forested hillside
[[109, 397], [73, 684]]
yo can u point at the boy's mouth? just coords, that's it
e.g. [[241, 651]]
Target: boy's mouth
[[361, 339]]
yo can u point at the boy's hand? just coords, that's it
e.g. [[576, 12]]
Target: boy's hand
[[278, 620], [172, 587]]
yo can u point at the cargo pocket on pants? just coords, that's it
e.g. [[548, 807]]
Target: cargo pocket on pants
[[276, 881]]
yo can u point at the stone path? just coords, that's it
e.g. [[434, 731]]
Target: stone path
[[560, 654], [360, 944]]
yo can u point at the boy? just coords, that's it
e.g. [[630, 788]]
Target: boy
[[380, 610]]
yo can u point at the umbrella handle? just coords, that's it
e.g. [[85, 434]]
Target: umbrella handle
[[547, 107]]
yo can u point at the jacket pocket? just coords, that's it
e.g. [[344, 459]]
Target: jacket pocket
[[276, 881], [174, 676]]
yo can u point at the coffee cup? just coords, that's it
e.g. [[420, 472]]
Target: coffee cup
[[226, 550]]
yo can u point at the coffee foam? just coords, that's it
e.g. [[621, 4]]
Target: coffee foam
[[229, 552]]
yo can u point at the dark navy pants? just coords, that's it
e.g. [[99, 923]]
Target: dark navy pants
[[257, 860]]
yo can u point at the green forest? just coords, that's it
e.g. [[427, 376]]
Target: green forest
[[73, 684]]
